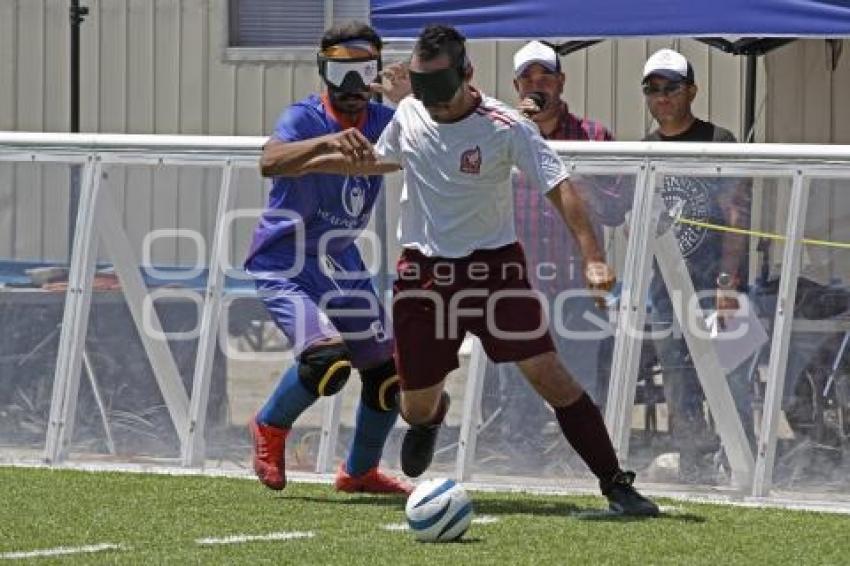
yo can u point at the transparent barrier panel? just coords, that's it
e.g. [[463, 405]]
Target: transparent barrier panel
[[121, 410], [699, 398], [519, 435], [813, 446], [154, 226], [34, 263], [706, 337]]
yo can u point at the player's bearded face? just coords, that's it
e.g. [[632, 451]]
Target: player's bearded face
[[348, 102]]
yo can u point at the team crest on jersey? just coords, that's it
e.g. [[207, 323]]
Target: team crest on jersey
[[354, 195], [470, 161]]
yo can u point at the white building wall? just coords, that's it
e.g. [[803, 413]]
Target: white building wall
[[808, 86], [808, 83]]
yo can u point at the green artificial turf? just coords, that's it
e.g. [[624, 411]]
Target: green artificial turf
[[156, 519]]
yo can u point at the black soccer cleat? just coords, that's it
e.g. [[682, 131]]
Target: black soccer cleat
[[420, 441], [624, 499]]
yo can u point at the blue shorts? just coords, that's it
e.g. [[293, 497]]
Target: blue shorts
[[329, 296]]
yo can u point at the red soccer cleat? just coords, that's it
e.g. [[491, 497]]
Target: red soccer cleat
[[269, 444], [373, 481]]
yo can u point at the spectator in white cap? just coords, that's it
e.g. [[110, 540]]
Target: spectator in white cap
[[553, 255], [539, 82], [668, 84], [716, 261]]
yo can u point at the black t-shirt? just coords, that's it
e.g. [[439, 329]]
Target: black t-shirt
[[700, 131], [697, 199]]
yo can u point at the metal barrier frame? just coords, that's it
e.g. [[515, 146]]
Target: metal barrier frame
[[96, 217]]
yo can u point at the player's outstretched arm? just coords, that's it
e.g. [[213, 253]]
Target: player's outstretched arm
[[339, 164], [293, 159]]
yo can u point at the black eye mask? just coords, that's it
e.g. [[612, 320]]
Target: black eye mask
[[435, 87]]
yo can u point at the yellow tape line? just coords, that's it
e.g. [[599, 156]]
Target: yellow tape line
[[745, 232]]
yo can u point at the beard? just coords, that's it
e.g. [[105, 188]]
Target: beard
[[349, 102]]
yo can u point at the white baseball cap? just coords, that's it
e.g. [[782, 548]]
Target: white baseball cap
[[536, 52], [669, 64]]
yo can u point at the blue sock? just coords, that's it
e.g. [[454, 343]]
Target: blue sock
[[289, 400], [370, 433]]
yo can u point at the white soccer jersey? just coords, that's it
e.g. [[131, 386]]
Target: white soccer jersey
[[457, 194]]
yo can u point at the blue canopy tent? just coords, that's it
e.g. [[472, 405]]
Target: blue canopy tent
[[502, 19], [757, 26]]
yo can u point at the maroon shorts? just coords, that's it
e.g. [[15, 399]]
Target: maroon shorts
[[437, 300]]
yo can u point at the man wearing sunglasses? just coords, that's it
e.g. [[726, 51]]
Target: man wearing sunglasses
[[461, 267], [309, 272], [716, 260]]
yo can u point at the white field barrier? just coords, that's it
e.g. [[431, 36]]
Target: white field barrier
[[136, 337]]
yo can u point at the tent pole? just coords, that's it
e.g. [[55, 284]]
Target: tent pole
[[77, 15], [750, 98]]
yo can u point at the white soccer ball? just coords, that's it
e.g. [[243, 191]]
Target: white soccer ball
[[438, 510]]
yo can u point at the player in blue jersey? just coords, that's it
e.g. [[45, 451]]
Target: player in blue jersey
[[309, 272]]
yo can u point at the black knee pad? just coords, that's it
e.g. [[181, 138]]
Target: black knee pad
[[325, 369], [380, 387]]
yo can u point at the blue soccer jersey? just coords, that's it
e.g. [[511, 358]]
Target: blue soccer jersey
[[317, 203]]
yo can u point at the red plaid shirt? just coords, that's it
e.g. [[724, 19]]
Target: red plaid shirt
[[542, 231]]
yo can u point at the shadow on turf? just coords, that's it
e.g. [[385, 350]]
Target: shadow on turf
[[539, 508], [611, 517], [513, 507], [564, 509]]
